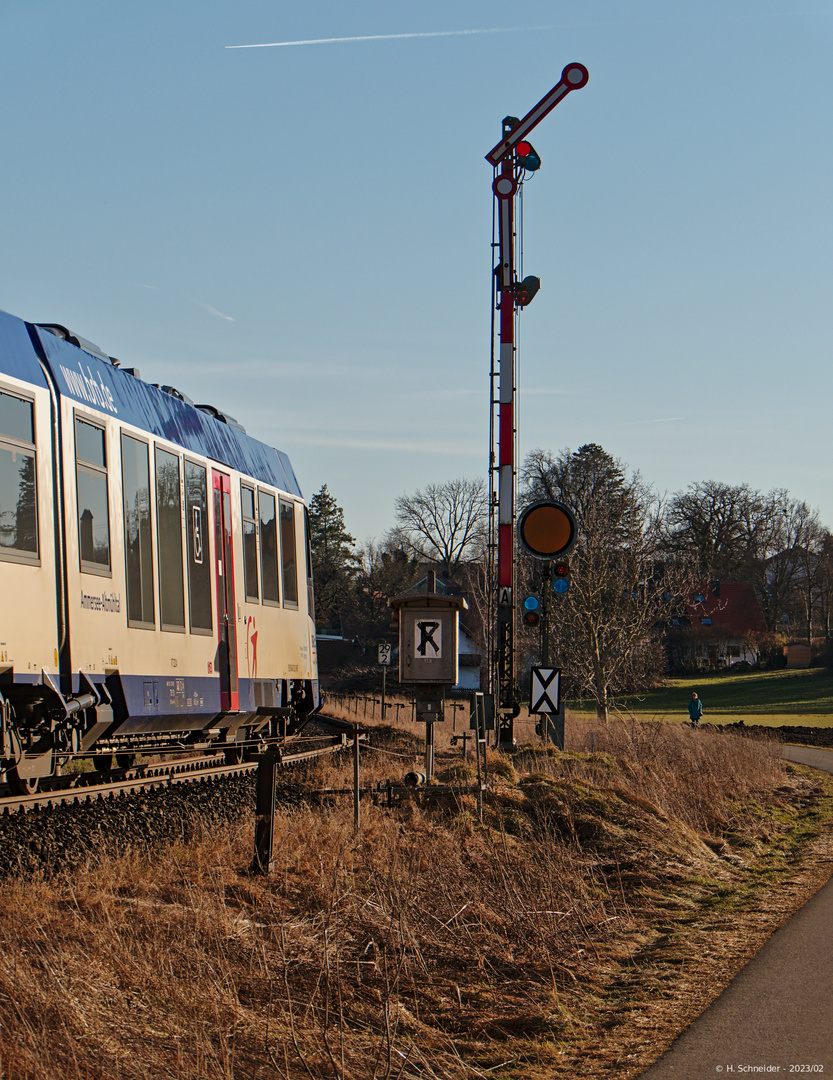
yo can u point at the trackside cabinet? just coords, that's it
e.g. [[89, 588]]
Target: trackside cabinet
[[429, 631]]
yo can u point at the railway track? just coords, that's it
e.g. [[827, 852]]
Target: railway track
[[91, 786]]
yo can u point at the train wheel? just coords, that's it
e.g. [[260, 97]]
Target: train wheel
[[233, 754], [23, 785], [103, 763], [125, 761]]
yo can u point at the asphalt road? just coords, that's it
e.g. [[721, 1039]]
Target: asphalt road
[[776, 1016]]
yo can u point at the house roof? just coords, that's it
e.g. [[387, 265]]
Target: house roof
[[732, 608]]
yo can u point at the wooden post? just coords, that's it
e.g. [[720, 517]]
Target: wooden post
[[267, 769]]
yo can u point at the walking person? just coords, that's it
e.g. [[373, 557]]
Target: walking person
[[695, 709]]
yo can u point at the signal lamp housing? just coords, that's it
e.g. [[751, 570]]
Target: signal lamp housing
[[531, 618], [525, 290]]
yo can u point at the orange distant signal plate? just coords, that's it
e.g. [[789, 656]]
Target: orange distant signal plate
[[547, 529]]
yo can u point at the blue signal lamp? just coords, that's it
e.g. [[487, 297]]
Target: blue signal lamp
[[531, 603], [561, 585]]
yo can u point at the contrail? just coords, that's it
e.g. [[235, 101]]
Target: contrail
[[389, 37]]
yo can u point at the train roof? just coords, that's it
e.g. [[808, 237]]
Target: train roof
[[17, 356], [96, 382]]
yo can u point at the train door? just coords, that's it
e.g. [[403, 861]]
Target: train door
[[224, 576]]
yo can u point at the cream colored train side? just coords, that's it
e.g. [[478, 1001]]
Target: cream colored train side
[[154, 566]]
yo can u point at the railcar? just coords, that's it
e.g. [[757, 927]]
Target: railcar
[[155, 571]]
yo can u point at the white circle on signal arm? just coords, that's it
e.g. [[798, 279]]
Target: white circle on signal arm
[[575, 75], [505, 186]]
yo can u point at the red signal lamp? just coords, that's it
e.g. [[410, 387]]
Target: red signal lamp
[[526, 289], [526, 157], [531, 618], [561, 569]]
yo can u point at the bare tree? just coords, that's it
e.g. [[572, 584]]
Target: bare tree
[[623, 590], [789, 564], [767, 540], [824, 584], [722, 526], [384, 570], [443, 523]]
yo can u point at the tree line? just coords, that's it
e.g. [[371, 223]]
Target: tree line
[[442, 526], [638, 557]]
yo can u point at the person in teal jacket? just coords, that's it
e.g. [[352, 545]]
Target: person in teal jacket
[[695, 709]]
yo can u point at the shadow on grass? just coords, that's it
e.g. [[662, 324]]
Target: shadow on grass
[[780, 694]]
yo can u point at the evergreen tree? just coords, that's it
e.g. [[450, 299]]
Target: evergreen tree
[[333, 559]]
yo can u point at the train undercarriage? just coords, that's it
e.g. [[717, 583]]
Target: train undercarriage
[[41, 731]]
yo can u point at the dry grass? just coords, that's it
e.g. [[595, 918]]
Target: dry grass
[[546, 942]]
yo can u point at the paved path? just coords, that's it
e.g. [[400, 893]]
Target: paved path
[[776, 1016]]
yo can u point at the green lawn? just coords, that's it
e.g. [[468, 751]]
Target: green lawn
[[798, 696]]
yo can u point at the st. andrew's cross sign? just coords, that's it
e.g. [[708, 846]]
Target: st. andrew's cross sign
[[545, 691]]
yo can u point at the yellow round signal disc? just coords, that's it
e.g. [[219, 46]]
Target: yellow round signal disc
[[547, 529]]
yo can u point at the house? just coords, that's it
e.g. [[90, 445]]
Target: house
[[469, 660], [717, 625]]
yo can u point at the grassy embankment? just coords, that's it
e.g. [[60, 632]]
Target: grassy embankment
[[609, 894], [771, 698]]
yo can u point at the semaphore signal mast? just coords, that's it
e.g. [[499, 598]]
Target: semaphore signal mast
[[512, 158]]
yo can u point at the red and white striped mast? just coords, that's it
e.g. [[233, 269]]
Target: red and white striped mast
[[508, 159]]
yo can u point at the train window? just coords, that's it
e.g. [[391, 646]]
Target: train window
[[93, 506], [169, 541], [135, 468], [310, 593], [247, 502], [268, 548], [290, 566], [18, 486], [17, 419], [199, 564]]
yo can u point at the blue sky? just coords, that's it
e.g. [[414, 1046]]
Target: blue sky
[[301, 235]]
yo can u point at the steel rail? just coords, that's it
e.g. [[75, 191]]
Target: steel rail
[[89, 787]]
